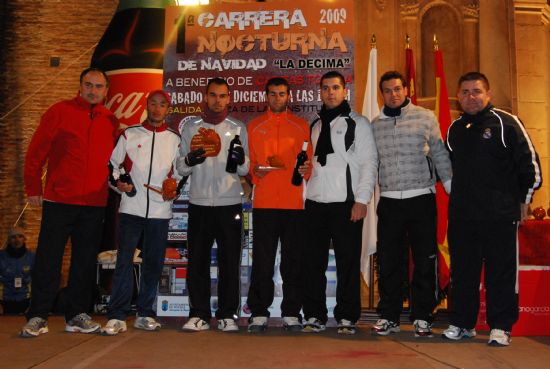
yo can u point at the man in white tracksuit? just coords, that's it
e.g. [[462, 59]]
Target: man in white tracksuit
[[338, 191], [215, 210], [148, 153]]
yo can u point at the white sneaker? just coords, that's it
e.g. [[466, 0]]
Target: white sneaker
[[292, 324], [228, 325], [34, 327], [313, 325], [146, 323], [195, 324], [383, 327], [82, 323], [257, 324], [498, 337], [422, 328], [114, 327], [456, 333], [346, 327]]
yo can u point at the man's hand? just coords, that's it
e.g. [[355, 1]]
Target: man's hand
[[524, 210], [238, 154], [34, 200], [358, 211], [260, 173], [195, 157], [124, 187], [304, 169]]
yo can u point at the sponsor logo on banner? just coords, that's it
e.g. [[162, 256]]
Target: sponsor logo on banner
[[128, 91]]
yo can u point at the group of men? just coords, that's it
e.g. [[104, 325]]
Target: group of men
[[492, 165]]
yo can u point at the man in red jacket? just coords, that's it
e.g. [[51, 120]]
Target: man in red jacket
[[76, 137]]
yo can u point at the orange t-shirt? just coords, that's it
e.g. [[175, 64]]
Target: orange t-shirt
[[281, 135]]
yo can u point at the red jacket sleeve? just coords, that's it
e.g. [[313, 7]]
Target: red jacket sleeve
[[38, 151]]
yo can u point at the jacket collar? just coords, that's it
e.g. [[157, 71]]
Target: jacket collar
[[479, 117], [148, 126], [404, 110], [277, 116]]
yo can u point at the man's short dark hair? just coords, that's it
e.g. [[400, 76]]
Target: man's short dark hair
[[474, 76], [94, 69], [392, 74], [333, 74], [217, 81], [277, 81]]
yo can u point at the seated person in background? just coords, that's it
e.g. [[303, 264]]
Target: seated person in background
[[16, 263]]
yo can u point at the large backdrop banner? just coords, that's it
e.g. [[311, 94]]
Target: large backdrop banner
[[247, 44]]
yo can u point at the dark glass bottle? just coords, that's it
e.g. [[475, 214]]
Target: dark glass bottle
[[232, 159], [300, 160], [125, 178]]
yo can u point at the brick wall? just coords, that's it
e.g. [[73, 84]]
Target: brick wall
[[32, 32]]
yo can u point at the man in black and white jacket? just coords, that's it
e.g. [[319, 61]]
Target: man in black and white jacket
[[495, 173], [338, 191]]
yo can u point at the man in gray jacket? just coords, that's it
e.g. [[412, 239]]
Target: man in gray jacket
[[411, 156], [214, 207]]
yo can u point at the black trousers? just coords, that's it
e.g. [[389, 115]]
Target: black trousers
[[270, 225], [326, 222], [83, 224], [222, 224], [494, 245], [414, 219]]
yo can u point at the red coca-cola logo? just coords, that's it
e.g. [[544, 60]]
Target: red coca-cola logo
[[128, 90]]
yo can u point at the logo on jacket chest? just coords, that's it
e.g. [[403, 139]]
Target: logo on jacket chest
[[487, 134]]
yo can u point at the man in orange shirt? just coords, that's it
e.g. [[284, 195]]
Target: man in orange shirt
[[275, 140]]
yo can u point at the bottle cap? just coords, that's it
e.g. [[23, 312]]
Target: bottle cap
[[238, 131], [304, 146]]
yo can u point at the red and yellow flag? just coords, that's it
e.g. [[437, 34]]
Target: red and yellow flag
[[443, 113], [410, 75]]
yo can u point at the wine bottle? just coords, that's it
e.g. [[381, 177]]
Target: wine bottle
[[125, 178], [300, 160], [232, 158]]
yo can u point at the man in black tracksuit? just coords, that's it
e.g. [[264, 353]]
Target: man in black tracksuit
[[495, 172]]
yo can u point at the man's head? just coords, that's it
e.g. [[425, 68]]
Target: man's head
[[277, 92], [94, 85], [217, 95], [333, 89], [474, 93], [393, 87], [16, 237], [158, 103]]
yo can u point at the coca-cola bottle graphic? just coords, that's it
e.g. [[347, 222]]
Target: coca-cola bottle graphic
[[131, 52]]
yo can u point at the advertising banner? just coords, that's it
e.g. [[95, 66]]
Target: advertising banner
[[247, 44]]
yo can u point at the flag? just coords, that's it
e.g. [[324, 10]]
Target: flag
[[410, 74], [370, 110], [443, 114]]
